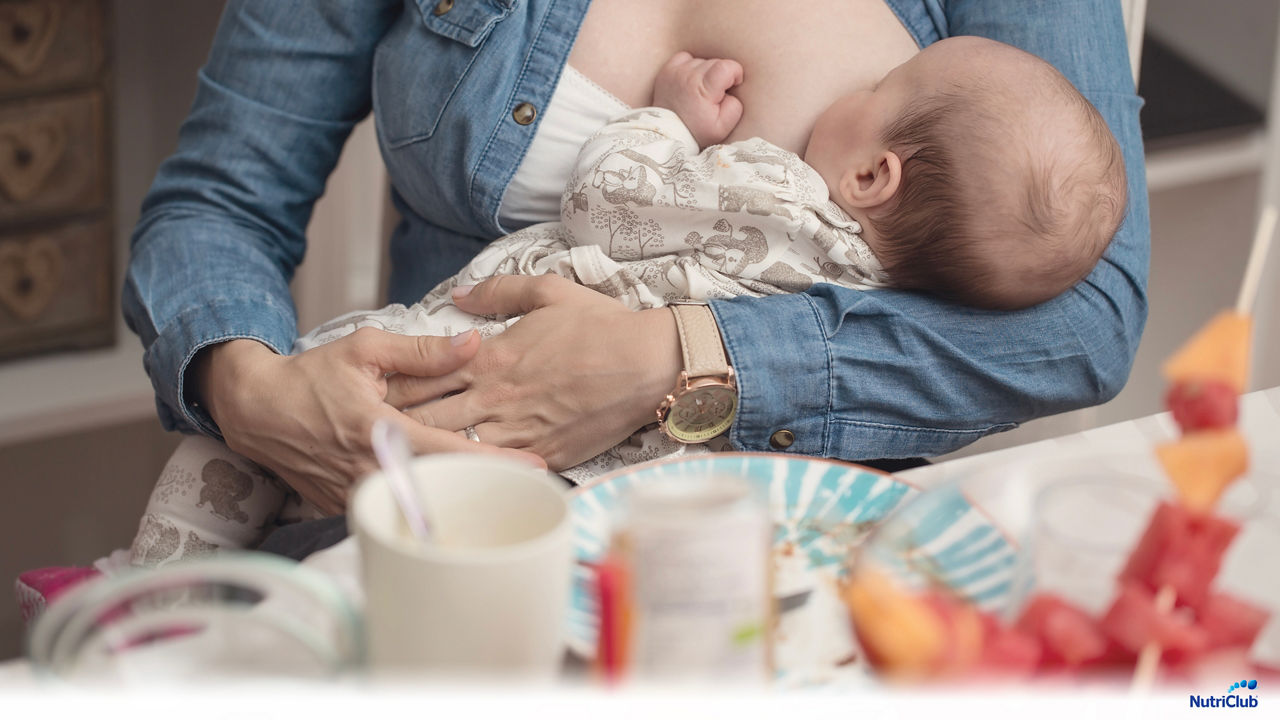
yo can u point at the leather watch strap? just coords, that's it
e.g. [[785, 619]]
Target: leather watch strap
[[700, 341]]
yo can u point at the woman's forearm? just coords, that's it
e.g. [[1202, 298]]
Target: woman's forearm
[[223, 226], [217, 371]]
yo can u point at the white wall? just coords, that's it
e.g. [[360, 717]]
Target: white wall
[[158, 45], [344, 240]]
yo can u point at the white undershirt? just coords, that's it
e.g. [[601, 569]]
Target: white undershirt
[[578, 108]]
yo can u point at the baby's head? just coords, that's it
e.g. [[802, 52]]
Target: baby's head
[[978, 172]]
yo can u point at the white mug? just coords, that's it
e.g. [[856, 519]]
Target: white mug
[[489, 594]]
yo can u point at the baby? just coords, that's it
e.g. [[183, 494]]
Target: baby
[[974, 171], [977, 173]]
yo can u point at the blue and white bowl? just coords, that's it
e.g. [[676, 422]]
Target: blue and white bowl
[[821, 510]]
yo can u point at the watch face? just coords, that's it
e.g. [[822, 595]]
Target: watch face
[[702, 413]]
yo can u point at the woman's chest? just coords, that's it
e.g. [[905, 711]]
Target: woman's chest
[[797, 57]]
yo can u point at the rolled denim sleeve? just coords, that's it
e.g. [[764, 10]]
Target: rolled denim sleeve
[[223, 226], [896, 374]]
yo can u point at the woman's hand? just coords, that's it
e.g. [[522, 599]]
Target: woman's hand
[[307, 417], [572, 378], [697, 89]]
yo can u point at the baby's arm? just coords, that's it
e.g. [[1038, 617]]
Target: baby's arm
[[697, 89]]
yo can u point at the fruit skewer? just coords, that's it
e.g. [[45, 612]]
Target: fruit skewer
[[1211, 471]]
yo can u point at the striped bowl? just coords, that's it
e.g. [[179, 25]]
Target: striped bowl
[[821, 509]]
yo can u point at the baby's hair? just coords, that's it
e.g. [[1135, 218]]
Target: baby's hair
[[937, 236], [919, 246]]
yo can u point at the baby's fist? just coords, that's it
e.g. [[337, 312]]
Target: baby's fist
[[696, 89]]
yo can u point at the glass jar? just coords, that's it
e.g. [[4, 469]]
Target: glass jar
[[245, 616]]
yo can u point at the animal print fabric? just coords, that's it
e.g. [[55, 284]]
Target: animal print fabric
[[645, 218], [648, 218], [209, 497]]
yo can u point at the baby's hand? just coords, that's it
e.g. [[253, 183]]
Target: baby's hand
[[697, 90]]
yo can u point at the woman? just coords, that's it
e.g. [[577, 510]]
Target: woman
[[458, 88]]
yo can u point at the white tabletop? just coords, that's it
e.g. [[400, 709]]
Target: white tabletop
[[1125, 445], [1133, 440], [1126, 449]]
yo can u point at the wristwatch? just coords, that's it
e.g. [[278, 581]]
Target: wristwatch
[[705, 399]]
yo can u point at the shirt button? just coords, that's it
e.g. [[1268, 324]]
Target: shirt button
[[524, 113], [443, 7], [782, 439]]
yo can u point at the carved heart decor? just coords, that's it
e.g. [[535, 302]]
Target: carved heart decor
[[27, 30], [30, 274], [29, 151]]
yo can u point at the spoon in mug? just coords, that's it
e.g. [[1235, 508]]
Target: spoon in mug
[[392, 450]]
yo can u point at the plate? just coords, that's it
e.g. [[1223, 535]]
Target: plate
[[821, 509]]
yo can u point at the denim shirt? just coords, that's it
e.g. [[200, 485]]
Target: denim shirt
[[852, 374]]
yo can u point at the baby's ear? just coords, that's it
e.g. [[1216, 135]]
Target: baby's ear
[[873, 182]]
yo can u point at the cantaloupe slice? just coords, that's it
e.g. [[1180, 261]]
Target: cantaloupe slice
[[901, 634], [1202, 465], [1220, 351]]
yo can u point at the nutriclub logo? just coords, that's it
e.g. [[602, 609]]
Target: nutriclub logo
[[1231, 699], [1243, 685]]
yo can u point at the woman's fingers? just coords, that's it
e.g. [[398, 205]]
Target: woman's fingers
[[518, 295], [422, 364], [307, 416], [523, 456], [496, 433], [425, 440], [569, 380], [447, 413], [419, 355], [455, 412], [407, 390]]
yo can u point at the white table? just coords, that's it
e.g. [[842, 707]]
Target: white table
[[1131, 441], [1259, 421], [1126, 448]]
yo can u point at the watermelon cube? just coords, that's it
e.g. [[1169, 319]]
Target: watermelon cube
[[1203, 405], [1007, 651], [1066, 634], [1182, 549], [1230, 621], [1134, 621]]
